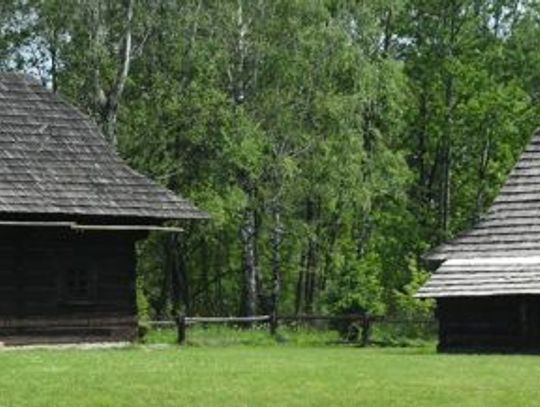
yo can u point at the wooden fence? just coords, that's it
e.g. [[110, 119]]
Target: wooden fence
[[364, 322]]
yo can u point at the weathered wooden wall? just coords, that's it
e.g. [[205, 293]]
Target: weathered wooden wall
[[35, 305], [510, 323]]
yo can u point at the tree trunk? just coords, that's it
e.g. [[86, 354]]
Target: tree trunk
[[307, 279], [204, 279], [311, 259], [238, 77], [446, 185], [173, 275], [238, 83], [421, 149], [54, 68], [162, 301], [107, 103], [179, 278], [277, 235], [387, 37], [299, 300], [449, 124], [482, 172], [248, 236], [113, 102], [311, 277]]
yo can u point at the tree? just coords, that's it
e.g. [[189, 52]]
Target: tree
[[467, 110]]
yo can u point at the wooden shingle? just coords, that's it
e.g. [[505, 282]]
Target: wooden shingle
[[498, 256], [512, 224], [55, 161]]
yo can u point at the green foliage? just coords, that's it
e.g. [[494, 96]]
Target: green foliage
[[316, 127], [408, 307], [471, 115], [357, 289], [143, 306]]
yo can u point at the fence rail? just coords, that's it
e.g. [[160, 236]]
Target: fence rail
[[221, 320], [265, 318], [344, 317]]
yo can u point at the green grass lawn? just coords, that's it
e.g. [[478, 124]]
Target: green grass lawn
[[265, 376]]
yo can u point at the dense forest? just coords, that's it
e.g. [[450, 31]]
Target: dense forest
[[331, 141]]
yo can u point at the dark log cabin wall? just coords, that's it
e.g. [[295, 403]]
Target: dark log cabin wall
[[509, 323], [58, 285]]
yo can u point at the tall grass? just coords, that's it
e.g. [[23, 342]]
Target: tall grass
[[258, 335], [293, 335]]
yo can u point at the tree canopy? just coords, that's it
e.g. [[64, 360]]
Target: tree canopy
[[332, 141]]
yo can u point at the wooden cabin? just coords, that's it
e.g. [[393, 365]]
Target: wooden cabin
[[486, 282], [70, 213]]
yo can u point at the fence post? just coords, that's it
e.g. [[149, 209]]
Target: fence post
[[273, 323], [366, 329], [181, 329]]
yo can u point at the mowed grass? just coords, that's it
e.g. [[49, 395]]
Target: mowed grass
[[265, 376]]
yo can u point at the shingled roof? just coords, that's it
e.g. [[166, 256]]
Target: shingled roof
[[55, 161], [500, 254]]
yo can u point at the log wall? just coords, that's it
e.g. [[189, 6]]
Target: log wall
[[502, 323], [37, 300]]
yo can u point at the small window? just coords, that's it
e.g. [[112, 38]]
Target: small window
[[78, 285]]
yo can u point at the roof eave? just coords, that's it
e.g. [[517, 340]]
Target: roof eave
[[433, 259], [475, 294]]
